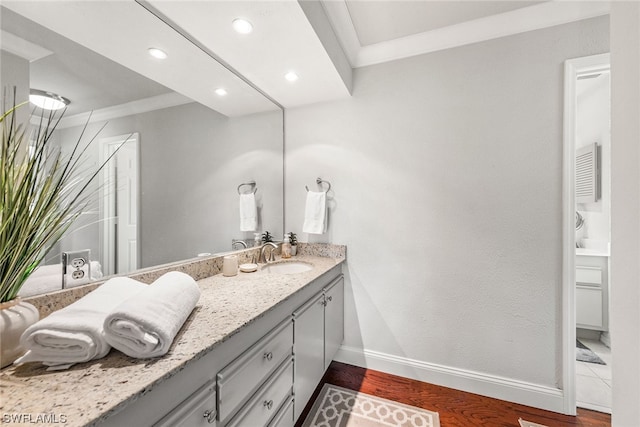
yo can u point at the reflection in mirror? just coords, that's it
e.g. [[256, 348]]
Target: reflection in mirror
[[172, 191]]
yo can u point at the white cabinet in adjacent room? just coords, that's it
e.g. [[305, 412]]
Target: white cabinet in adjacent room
[[592, 293]]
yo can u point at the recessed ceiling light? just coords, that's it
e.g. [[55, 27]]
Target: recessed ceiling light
[[47, 100], [291, 76], [221, 91], [157, 53], [242, 26]]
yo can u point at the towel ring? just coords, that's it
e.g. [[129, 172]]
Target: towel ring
[[320, 181], [251, 183]]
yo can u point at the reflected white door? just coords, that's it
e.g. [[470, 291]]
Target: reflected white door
[[120, 204]]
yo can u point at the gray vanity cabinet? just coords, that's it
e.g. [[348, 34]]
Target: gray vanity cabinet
[[333, 320], [199, 410], [262, 376], [318, 330]]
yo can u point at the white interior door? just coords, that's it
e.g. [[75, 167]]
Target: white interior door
[[127, 208], [119, 209]]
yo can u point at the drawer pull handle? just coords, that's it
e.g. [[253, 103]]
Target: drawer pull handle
[[210, 415], [268, 356], [268, 404]]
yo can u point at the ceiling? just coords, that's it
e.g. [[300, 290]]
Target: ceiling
[[322, 41], [381, 21], [373, 32], [89, 80]]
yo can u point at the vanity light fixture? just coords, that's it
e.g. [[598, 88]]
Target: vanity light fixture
[[221, 91], [47, 100], [242, 26], [291, 76], [157, 53]]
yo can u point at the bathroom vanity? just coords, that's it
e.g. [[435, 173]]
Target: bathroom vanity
[[252, 340], [592, 290]]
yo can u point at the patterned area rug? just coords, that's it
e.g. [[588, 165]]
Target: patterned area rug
[[341, 407], [524, 423], [585, 354]]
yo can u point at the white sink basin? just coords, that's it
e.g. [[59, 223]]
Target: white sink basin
[[287, 267]]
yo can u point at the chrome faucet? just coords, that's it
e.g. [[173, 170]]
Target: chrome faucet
[[272, 256], [239, 242]]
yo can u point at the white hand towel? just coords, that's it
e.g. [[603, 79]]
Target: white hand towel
[[75, 333], [248, 212], [315, 213], [144, 326]]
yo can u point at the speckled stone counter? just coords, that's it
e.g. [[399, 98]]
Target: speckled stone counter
[[88, 393]]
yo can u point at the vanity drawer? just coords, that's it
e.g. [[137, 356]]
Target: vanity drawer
[[265, 403], [242, 377], [284, 417], [198, 410], [589, 275]]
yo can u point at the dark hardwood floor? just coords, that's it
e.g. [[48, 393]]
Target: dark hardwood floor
[[456, 408]]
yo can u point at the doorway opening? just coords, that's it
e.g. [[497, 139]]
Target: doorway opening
[[586, 228]]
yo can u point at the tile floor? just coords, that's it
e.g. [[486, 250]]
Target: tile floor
[[593, 381]]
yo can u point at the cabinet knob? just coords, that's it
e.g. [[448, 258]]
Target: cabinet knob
[[268, 356], [330, 298], [268, 404], [324, 303], [210, 415]]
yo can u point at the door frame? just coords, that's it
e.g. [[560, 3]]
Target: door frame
[[104, 200], [572, 69]]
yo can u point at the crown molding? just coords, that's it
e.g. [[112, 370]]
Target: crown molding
[[21, 47], [543, 15], [171, 99]]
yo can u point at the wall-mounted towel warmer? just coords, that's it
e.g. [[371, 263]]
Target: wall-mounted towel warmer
[[320, 181], [251, 183]]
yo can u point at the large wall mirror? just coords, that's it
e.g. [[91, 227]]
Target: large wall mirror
[[171, 193]]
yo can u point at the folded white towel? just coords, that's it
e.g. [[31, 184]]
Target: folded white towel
[[315, 213], [75, 333], [145, 325], [248, 212]]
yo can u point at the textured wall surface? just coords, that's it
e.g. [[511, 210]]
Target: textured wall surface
[[625, 212], [447, 172]]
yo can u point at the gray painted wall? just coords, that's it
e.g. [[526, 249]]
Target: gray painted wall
[[14, 72], [446, 174], [625, 212]]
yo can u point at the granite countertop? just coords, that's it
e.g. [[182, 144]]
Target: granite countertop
[[89, 392], [591, 252]]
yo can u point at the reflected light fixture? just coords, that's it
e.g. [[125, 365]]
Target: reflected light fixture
[[221, 91], [291, 76], [242, 26], [157, 53], [47, 100]]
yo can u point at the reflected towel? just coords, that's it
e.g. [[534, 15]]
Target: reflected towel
[[75, 333], [145, 325], [248, 212], [315, 213]]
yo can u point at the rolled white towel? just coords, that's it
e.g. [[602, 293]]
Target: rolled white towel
[[145, 325], [75, 333]]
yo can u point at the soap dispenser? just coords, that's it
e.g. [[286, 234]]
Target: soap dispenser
[[286, 247]]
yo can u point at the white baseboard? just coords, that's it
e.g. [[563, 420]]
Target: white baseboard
[[538, 396]]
